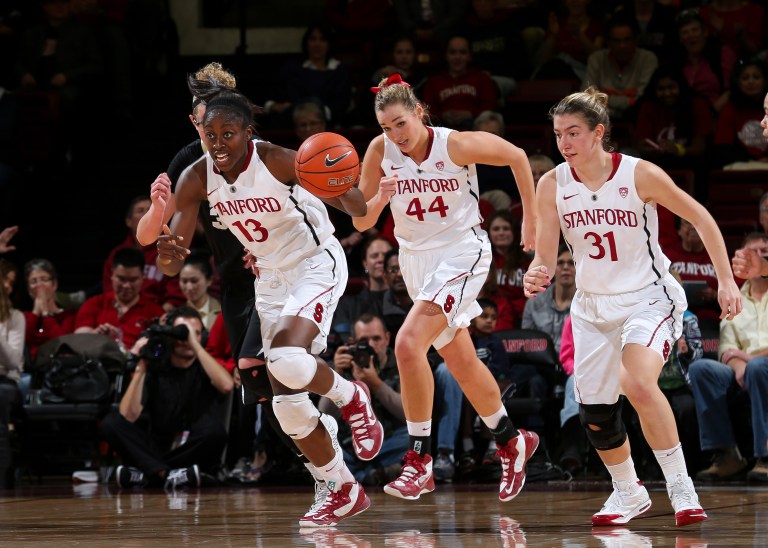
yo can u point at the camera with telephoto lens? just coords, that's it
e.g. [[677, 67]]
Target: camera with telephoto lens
[[361, 353], [160, 341]]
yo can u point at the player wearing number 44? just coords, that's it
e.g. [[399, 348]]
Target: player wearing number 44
[[427, 176], [251, 187], [628, 310]]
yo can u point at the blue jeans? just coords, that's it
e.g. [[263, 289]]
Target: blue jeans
[[393, 449], [714, 386], [570, 406], [448, 398]]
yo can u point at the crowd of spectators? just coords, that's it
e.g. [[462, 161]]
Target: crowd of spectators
[[686, 82]]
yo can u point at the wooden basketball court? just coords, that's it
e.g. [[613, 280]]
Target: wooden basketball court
[[463, 515]]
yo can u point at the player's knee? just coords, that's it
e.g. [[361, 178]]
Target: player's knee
[[292, 366], [296, 414], [408, 348], [603, 424], [256, 380]]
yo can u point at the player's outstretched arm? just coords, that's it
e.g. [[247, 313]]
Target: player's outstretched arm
[[160, 212], [538, 278], [480, 147], [653, 184], [351, 202], [173, 245], [376, 189]]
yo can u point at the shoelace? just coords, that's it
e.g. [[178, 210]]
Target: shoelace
[[681, 493], [331, 501], [412, 466], [357, 419], [321, 494]]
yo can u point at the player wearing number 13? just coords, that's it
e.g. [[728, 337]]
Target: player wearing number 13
[[427, 175], [251, 188], [627, 312]]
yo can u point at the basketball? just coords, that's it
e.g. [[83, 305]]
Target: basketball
[[327, 165]]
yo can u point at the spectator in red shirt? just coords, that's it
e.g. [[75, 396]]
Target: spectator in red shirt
[[159, 288], [47, 320], [739, 136], [459, 94], [691, 262], [124, 312]]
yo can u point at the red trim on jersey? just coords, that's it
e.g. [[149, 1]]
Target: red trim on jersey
[[248, 157], [653, 335], [431, 139], [615, 159]]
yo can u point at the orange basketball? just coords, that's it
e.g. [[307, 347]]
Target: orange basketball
[[327, 165]]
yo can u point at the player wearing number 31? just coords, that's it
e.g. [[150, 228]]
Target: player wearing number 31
[[627, 312], [427, 175], [251, 188]]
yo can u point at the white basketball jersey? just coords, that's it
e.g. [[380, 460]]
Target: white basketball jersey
[[613, 234], [436, 202], [279, 224]]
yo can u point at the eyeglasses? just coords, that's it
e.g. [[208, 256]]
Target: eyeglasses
[[393, 270], [38, 281], [566, 262]]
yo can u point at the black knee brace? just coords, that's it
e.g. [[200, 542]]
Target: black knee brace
[[612, 433], [255, 380]]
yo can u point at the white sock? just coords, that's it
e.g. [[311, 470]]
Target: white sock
[[336, 473], [672, 462], [624, 471], [492, 421], [313, 470], [342, 391], [419, 429]]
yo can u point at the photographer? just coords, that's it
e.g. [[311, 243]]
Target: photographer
[[370, 360], [168, 428]]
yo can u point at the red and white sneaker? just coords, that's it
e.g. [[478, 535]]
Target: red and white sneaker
[[415, 479], [513, 456], [348, 501], [367, 432], [685, 501], [628, 500]]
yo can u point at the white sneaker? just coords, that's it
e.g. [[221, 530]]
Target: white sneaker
[[685, 501], [348, 501], [321, 488], [628, 500]]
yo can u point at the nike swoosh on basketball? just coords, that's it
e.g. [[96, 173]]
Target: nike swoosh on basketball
[[331, 163], [569, 197]]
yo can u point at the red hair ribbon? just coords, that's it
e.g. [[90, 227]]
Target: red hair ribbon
[[394, 79]]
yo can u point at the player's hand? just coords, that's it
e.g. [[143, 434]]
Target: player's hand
[[160, 191], [747, 263], [168, 248], [527, 235], [249, 262], [729, 298], [387, 187], [535, 281]]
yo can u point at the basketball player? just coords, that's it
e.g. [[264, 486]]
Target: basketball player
[[251, 187], [237, 281], [427, 175], [627, 311]]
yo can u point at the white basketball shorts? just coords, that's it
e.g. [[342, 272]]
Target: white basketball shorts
[[450, 277], [604, 324], [311, 290]]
